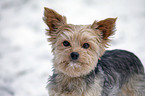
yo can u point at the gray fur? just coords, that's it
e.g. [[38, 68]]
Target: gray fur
[[119, 68]]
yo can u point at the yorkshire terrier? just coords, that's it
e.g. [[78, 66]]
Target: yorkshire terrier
[[81, 65]]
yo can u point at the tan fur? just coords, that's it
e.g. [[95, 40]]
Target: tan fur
[[131, 88], [77, 36], [70, 73]]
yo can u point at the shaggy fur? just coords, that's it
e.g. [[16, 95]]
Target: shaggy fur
[[95, 72]]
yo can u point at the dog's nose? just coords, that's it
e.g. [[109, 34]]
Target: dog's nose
[[74, 55]]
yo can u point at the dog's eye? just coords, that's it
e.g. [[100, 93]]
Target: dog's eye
[[66, 43], [86, 45]]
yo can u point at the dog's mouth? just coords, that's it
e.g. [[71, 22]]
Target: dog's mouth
[[74, 64]]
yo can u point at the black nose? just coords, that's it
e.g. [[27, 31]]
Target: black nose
[[74, 55]]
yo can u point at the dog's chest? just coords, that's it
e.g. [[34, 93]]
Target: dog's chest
[[74, 87]]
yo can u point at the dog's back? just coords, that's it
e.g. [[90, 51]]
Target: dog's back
[[123, 74]]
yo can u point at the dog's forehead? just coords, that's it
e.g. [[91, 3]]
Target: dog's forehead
[[77, 32]]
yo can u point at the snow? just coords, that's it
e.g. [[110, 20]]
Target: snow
[[25, 54]]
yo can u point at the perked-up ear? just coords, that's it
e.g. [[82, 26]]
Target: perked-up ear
[[106, 27], [53, 20]]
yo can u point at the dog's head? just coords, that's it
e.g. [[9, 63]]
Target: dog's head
[[77, 48]]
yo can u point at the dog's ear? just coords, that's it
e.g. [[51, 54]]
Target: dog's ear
[[106, 27], [53, 20]]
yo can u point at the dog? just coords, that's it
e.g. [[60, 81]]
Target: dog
[[82, 66]]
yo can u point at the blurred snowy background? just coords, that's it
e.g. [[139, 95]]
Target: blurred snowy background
[[25, 56]]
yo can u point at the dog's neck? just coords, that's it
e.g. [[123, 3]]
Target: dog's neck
[[67, 85]]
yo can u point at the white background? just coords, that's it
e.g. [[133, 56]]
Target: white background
[[25, 54]]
